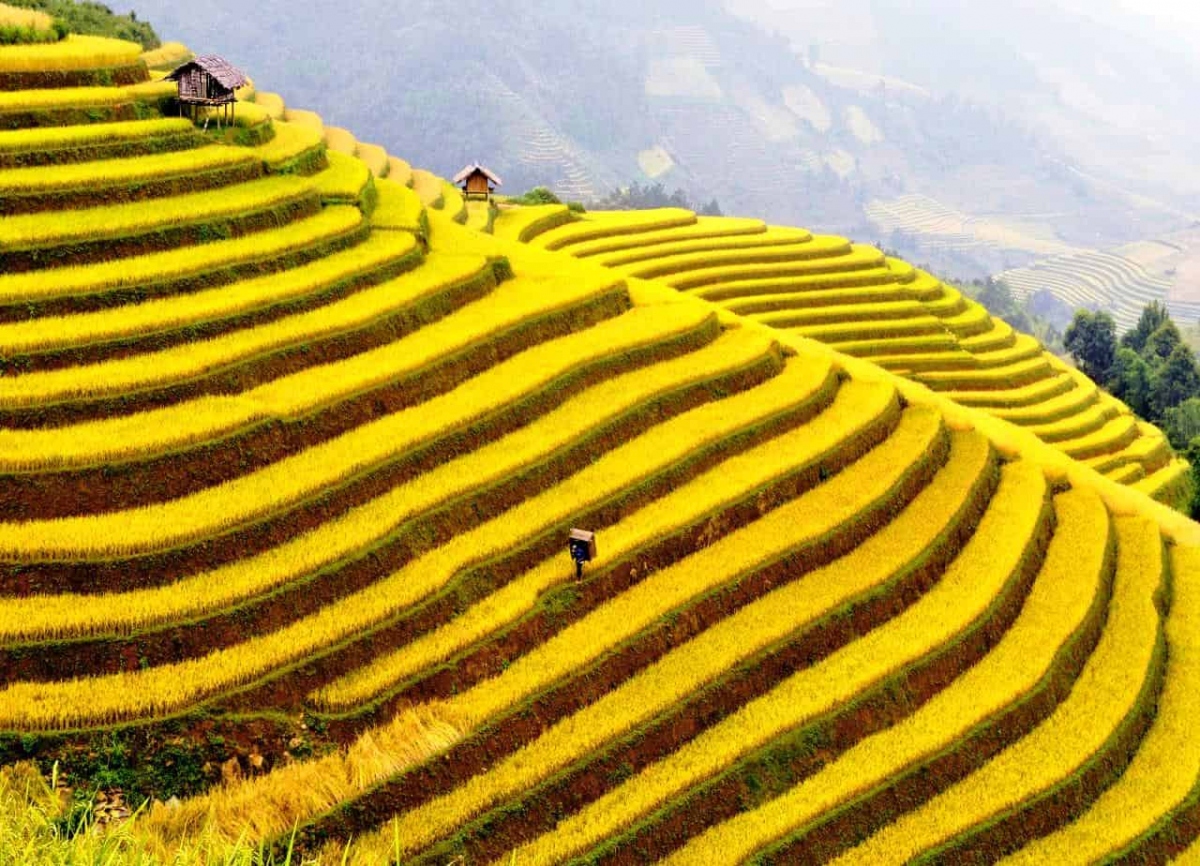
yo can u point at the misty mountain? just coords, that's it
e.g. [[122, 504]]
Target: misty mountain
[[800, 111]]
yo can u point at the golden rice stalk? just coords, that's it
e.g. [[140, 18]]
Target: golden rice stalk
[[74, 52], [47, 333], [60, 615], [1108, 690], [15, 16], [108, 276]]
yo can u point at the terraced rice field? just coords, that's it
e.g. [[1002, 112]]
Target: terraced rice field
[[289, 497], [856, 300], [1103, 281]]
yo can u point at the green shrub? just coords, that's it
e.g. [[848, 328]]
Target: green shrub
[[537, 195]]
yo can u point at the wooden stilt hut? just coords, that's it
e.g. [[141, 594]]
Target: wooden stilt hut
[[208, 82], [477, 182]]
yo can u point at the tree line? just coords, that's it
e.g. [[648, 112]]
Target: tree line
[[1150, 368]]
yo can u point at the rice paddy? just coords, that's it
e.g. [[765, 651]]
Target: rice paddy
[[291, 441]]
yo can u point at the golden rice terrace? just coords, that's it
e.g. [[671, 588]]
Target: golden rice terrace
[[292, 438]]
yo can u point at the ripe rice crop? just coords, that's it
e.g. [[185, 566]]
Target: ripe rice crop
[[759, 625], [85, 175], [400, 171], [774, 714], [735, 478], [974, 578], [65, 137], [166, 688], [704, 227], [375, 157], [290, 145], [92, 439], [973, 321], [340, 140], [800, 251], [308, 119], [858, 259], [840, 332], [74, 52], [523, 223], [1022, 348], [47, 333], [1070, 591], [130, 218], [62, 97], [819, 300], [707, 494], [599, 224], [626, 614], [1166, 769], [428, 187], [1054, 409], [399, 208], [1033, 394], [846, 314], [271, 103], [770, 237], [999, 336], [1109, 689], [787, 288], [453, 203], [306, 473], [271, 805], [14, 16], [167, 55], [1032, 370], [76, 281], [1084, 421], [1113, 436], [345, 181], [62, 615]]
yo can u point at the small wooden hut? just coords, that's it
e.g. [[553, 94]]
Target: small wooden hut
[[208, 82], [477, 182]]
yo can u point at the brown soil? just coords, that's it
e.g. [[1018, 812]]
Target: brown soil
[[213, 278], [527, 722], [36, 117], [248, 373], [44, 79], [47, 661], [1171, 836], [509, 826], [883, 804], [538, 810], [288, 690], [1003, 384], [124, 192], [161, 568], [174, 237], [1046, 813], [146, 342], [165, 143]]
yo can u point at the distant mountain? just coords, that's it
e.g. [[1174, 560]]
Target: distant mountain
[[809, 114]]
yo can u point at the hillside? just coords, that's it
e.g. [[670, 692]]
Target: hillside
[[292, 445], [895, 123]]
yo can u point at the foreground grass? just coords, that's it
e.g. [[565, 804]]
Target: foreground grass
[[41, 825]]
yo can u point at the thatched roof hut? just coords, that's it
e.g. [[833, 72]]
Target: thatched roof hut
[[476, 180], [208, 81]]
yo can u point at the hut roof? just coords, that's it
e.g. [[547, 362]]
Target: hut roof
[[476, 167], [218, 67]]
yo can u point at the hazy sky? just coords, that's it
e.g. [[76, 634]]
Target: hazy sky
[[1180, 18], [1186, 12]]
